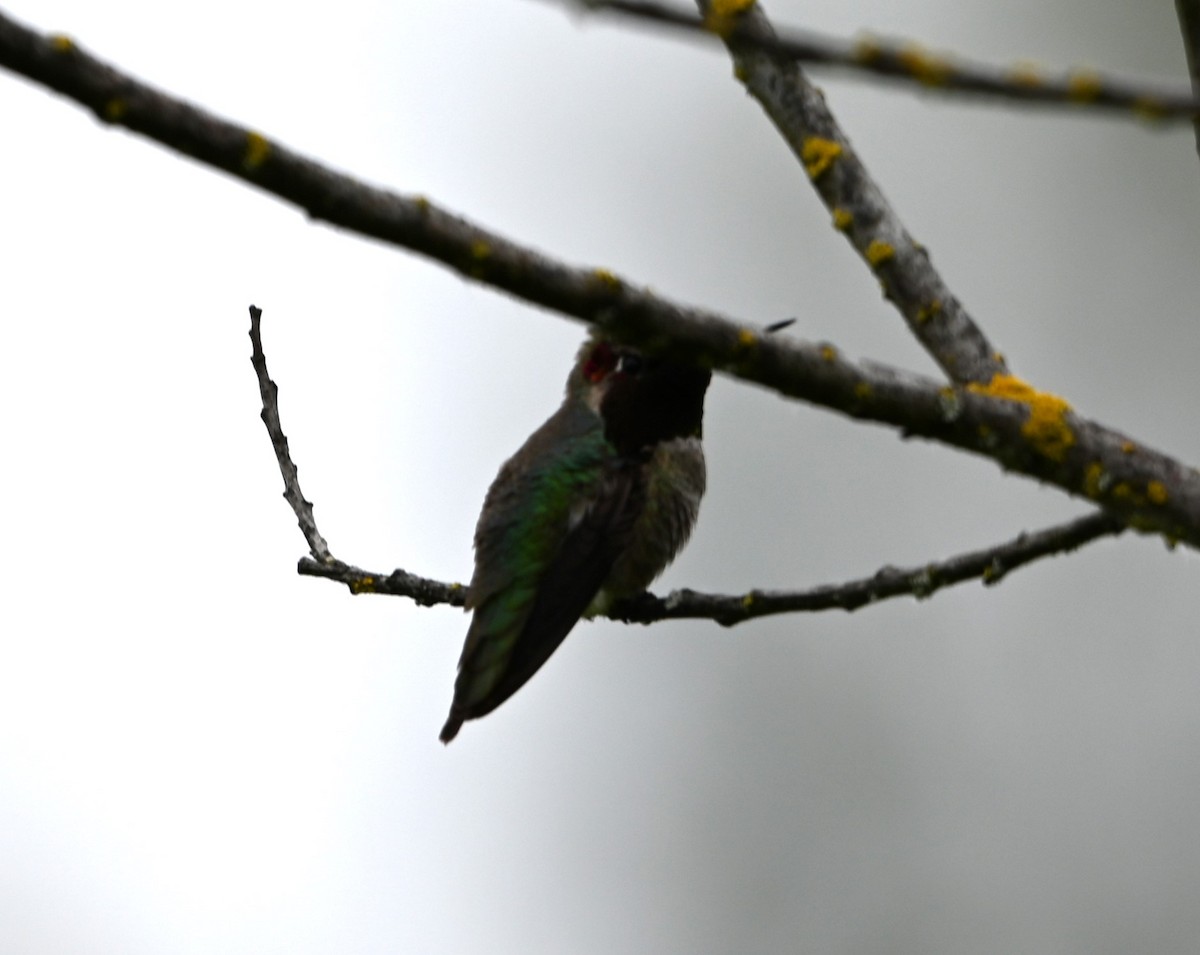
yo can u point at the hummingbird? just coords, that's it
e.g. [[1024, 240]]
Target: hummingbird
[[590, 510]]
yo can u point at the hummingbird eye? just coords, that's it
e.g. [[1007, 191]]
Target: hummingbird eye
[[630, 364]]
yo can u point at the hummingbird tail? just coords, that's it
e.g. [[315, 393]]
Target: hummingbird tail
[[454, 723]]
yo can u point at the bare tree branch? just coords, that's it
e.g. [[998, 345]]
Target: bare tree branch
[[989, 565], [1189, 24], [399, 583], [924, 71], [322, 563], [858, 206], [1025, 430], [270, 417]]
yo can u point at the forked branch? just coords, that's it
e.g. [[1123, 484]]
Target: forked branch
[[989, 565], [1025, 430], [923, 70]]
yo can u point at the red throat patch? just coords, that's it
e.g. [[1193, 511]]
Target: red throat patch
[[600, 362]]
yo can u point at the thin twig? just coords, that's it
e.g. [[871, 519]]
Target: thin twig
[[1024, 430], [928, 72], [399, 583], [270, 417], [989, 565], [322, 563], [856, 203]]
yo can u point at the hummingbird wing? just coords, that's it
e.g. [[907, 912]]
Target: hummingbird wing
[[601, 531], [536, 573]]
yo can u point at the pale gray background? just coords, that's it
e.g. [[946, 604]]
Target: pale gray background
[[201, 752]]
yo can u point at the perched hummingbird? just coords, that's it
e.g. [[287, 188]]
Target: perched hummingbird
[[590, 510]]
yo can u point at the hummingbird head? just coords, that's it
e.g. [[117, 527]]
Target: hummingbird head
[[642, 399]]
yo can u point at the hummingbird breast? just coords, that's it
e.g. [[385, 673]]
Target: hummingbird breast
[[675, 479]]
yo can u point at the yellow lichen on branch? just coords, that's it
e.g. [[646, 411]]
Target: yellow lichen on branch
[[867, 50], [258, 151], [879, 252], [1026, 74], [481, 253], [1083, 86], [1046, 427], [607, 280], [926, 313], [1149, 108], [924, 67], [818, 155], [1097, 482], [723, 14], [729, 8], [746, 342]]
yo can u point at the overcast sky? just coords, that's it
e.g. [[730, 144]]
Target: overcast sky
[[202, 752]]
